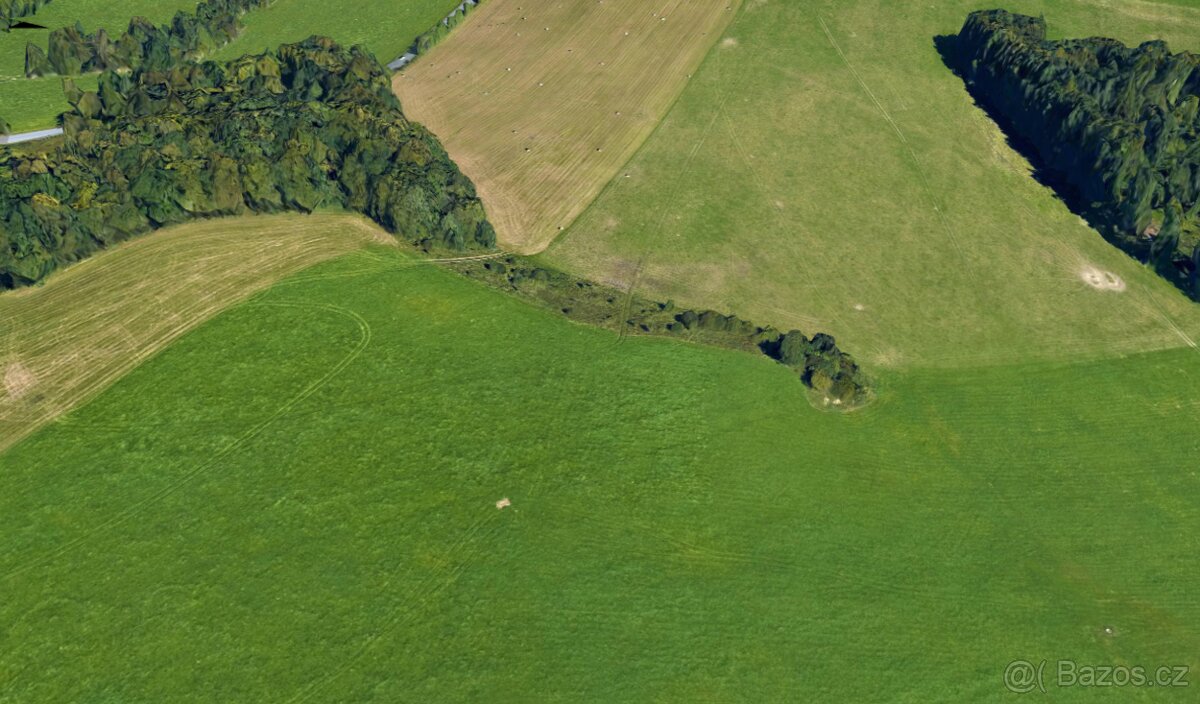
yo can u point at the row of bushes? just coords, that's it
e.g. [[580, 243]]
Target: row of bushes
[[1118, 124], [429, 39], [818, 361], [12, 11], [306, 126], [188, 37]]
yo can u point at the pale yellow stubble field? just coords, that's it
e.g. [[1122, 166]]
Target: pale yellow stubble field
[[542, 103], [65, 341]]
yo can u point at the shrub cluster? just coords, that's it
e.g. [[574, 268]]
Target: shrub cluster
[[306, 126], [188, 37], [431, 38], [1118, 124], [818, 362], [12, 11]]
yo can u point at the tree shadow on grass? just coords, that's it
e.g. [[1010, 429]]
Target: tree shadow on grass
[[1092, 213]]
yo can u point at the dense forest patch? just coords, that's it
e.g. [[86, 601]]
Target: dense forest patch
[[1117, 125], [307, 126]]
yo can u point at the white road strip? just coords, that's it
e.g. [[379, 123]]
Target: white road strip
[[30, 136]]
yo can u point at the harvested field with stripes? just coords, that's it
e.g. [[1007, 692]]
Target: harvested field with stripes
[[541, 104]]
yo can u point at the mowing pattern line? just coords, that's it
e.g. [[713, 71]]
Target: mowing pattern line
[[926, 186], [134, 509]]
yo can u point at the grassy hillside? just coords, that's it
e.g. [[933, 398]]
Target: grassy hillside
[[295, 503], [824, 169], [66, 342], [384, 27], [541, 105]]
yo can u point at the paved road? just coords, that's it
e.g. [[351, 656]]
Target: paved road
[[30, 136]]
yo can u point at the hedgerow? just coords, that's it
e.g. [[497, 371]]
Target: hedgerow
[[818, 361]]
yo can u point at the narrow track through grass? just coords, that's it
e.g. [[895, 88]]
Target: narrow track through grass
[[825, 170]]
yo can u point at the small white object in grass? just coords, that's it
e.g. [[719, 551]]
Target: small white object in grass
[[503, 503]]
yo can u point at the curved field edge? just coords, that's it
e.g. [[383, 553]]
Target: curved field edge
[[69, 339], [825, 170], [296, 502], [541, 106]]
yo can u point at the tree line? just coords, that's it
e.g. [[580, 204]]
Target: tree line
[[1118, 124], [432, 37], [306, 126], [818, 361], [12, 11], [188, 37]]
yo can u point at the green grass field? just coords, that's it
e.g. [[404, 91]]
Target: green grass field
[[65, 343], [295, 501], [307, 515], [825, 170], [386, 28]]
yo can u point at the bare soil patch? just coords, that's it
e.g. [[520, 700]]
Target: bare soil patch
[[1101, 280], [18, 381]]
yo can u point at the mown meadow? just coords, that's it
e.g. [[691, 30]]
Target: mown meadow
[[826, 169], [295, 502]]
